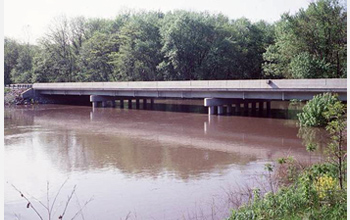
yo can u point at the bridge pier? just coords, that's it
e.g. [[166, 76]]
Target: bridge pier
[[130, 103], [113, 104], [137, 103], [95, 104], [229, 109], [268, 106], [213, 103], [246, 106], [211, 110], [122, 103], [220, 110], [253, 106], [261, 106]]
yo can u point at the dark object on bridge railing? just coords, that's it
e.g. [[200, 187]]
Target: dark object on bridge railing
[[19, 85]]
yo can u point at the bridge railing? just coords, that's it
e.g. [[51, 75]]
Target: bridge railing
[[205, 84], [19, 85]]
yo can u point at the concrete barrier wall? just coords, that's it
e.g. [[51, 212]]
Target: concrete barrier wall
[[207, 84]]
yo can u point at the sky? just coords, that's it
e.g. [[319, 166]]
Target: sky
[[28, 20]]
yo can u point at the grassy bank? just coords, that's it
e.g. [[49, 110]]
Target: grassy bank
[[314, 193]]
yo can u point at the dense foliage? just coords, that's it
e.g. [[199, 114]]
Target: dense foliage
[[314, 194], [182, 45], [313, 112], [310, 44]]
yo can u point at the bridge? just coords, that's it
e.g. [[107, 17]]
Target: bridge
[[218, 95]]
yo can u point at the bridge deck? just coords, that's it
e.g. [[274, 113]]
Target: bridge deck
[[283, 89]]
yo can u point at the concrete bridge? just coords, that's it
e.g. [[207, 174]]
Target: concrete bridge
[[218, 95]]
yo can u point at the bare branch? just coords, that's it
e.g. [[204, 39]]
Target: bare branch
[[30, 205]]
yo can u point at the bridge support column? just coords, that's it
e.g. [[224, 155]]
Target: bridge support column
[[95, 99], [253, 106], [261, 106], [122, 103], [268, 106], [238, 107], [113, 104], [94, 104], [130, 104], [229, 109], [144, 103], [220, 110], [137, 103], [246, 106], [211, 110], [104, 104]]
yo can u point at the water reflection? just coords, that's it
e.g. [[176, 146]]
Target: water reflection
[[148, 143], [122, 155]]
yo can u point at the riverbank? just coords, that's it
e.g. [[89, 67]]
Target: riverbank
[[313, 194], [12, 96]]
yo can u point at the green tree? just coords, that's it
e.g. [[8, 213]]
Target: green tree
[[95, 58], [22, 72], [311, 43], [11, 54], [336, 115], [313, 111], [139, 51]]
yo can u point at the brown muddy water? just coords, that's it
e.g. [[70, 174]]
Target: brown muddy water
[[170, 162]]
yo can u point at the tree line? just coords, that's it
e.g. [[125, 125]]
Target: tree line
[[184, 45]]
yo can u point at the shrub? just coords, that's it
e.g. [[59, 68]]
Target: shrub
[[312, 114]]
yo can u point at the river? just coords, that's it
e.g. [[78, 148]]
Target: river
[[170, 162]]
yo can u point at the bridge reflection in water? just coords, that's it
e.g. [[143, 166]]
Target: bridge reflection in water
[[146, 160]]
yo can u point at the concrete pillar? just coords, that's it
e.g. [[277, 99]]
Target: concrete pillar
[[144, 103], [253, 106], [268, 106], [122, 103], [104, 104], [246, 106], [137, 103], [94, 104], [152, 103], [130, 103], [113, 103], [238, 107], [261, 106], [229, 109], [211, 110], [220, 110]]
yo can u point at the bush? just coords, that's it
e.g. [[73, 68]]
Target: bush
[[312, 114], [313, 195]]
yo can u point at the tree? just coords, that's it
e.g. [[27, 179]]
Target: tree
[[139, 51], [95, 62], [311, 43], [336, 115], [313, 111], [23, 71], [11, 53]]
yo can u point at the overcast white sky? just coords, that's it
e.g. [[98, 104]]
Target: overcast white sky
[[27, 20]]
